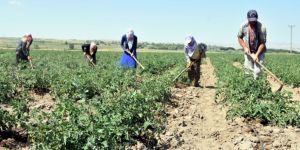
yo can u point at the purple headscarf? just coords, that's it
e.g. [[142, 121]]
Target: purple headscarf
[[190, 45]]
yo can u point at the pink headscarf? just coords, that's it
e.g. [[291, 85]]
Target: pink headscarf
[[29, 37]]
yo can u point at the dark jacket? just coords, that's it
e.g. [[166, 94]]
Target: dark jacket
[[86, 49], [21, 50], [124, 44]]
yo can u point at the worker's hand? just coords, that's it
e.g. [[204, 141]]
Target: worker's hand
[[247, 50], [189, 65], [91, 60], [255, 57], [29, 58]]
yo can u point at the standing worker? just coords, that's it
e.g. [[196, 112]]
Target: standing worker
[[89, 52], [23, 48], [129, 44], [252, 37], [194, 53]]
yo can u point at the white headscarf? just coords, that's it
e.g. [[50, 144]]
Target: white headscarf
[[129, 34], [189, 49], [93, 44]]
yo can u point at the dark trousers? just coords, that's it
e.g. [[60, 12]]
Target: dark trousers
[[21, 57], [194, 72]]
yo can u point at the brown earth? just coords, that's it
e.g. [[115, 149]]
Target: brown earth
[[196, 122], [16, 138], [42, 101]]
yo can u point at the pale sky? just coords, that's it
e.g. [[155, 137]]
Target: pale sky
[[211, 21]]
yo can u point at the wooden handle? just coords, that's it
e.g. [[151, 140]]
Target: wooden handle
[[90, 59], [268, 71], [273, 75], [183, 71], [30, 64], [179, 74], [135, 58]]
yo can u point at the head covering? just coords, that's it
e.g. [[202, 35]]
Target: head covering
[[252, 15], [28, 36], [189, 39], [93, 44], [24, 38], [190, 45], [130, 33]]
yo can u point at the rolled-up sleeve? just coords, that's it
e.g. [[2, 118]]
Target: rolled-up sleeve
[[263, 35], [241, 33]]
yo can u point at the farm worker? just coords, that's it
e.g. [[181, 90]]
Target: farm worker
[[89, 52], [194, 53], [129, 43], [22, 50], [252, 37]]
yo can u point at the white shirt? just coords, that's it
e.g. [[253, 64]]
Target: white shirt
[[130, 44]]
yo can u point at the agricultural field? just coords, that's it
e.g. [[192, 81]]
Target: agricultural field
[[65, 104], [286, 67], [86, 107], [254, 99]]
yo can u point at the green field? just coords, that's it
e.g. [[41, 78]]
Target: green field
[[254, 99], [107, 107]]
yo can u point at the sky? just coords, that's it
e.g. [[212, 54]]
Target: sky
[[214, 22]]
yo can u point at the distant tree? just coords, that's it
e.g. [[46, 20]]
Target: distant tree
[[66, 42], [36, 46], [226, 48], [71, 46]]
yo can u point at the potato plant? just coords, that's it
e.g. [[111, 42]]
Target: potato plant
[[102, 107]]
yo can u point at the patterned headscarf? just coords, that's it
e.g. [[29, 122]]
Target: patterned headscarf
[[190, 45]]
